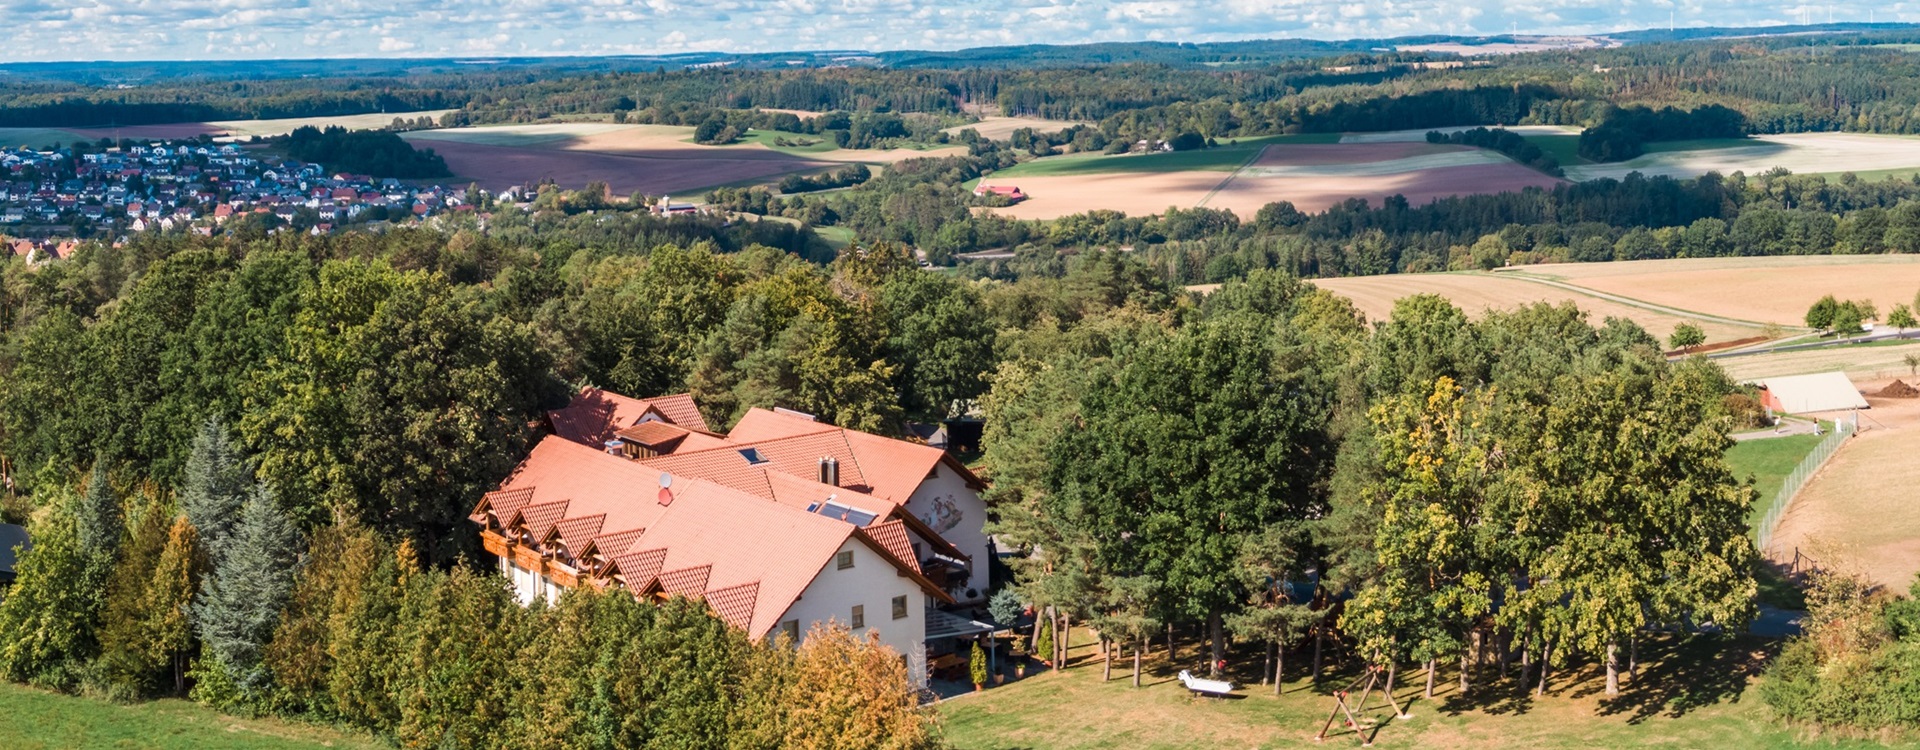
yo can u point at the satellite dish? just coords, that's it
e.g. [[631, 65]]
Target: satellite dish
[[666, 496], [666, 480]]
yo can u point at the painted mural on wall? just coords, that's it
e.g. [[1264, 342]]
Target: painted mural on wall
[[946, 515]]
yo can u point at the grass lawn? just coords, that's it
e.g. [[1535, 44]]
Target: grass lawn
[[1701, 144], [1226, 157], [1767, 462], [34, 720], [1693, 693]]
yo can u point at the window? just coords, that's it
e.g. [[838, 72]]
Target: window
[[859, 616], [844, 560], [899, 607], [792, 629], [753, 457]]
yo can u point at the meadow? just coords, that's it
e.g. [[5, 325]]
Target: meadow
[[1475, 293], [1693, 693], [32, 719]]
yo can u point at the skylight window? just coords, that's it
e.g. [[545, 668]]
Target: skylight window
[[753, 457], [843, 513]]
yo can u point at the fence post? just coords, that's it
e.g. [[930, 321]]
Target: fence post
[[1777, 505]]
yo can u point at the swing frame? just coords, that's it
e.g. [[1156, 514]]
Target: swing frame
[[1371, 678]]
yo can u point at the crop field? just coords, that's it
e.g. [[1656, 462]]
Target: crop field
[[1476, 293], [1858, 512], [1759, 290], [241, 129], [36, 137], [1419, 135], [655, 159], [1312, 171], [1802, 153], [1875, 361], [1001, 128]]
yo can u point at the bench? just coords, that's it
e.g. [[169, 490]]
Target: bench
[[1208, 688]]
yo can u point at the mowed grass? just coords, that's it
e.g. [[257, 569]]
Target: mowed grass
[[1563, 148], [1226, 157], [1691, 693], [1768, 461], [35, 720], [821, 143]]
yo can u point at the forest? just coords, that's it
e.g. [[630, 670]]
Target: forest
[[378, 153]]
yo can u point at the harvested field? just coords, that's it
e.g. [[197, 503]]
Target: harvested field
[[548, 134], [1419, 135], [1475, 293], [1001, 128], [1860, 362], [664, 172], [1134, 193], [1762, 290], [1805, 153], [1422, 178], [1858, 513], [241, 129]]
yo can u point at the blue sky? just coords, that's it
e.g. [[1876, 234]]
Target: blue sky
[[228, 29]]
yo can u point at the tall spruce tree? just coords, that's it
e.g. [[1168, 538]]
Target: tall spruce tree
[[240, 602], [215, 486]]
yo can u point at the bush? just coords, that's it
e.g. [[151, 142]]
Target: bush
[[1857, 668], [977, 664]]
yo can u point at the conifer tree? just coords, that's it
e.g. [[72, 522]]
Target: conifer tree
[[467, 631], [129, 667], [365, 641], [215, 487], [342, 561], [240, 601]]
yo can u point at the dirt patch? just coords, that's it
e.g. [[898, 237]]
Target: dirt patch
[[1858, 513], [654, 172], [1245, 195], [1898, 389], [1475, 294]]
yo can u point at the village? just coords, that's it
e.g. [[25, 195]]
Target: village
[[52, 199]]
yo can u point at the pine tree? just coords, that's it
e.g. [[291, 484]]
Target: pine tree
[[215, 487], [168, 628], [240, 601]]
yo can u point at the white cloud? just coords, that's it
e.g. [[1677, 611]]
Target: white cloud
[[166, 29]]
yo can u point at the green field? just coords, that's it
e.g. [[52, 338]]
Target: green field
[[35, 137], [1563, 148], [35, 720], [1767, 462], [1226, 157], [1691, 694], [824, 143]]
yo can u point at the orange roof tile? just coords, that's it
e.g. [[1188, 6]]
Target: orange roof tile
[[656, 434], [640, 567], [893, 536], [540, 518], [502, 503], [594, 415], [577, 532], [595, 482], [686, 581], [734, 604], [614, 544]]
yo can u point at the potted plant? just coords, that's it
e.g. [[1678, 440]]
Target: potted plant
[[977, 665]]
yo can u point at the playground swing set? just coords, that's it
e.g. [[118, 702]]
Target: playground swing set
[[1363, 728]]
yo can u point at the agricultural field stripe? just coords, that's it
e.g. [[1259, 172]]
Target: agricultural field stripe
[[1631, 302], [1257, 153]]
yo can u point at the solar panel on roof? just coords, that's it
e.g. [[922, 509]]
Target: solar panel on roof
[[844, 513]]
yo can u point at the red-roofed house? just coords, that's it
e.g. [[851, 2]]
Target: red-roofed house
[[1011, 193], [782, 524]]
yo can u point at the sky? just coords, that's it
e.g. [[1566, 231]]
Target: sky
[[65, 30]]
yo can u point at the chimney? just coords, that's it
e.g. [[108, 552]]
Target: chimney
[[830, 470]]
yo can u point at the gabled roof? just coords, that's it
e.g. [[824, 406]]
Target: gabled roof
[[893, 536], [594, 415], [734, 604], [883, 467]]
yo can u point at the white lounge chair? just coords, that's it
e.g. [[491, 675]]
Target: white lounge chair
[[1209, 688]]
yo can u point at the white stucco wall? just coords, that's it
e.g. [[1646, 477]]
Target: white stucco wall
[[872, 582], [947, 505]]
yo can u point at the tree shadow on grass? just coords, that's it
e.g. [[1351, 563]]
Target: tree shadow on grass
[[1693, 672]]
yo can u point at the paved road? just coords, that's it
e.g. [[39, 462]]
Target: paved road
[[1861, 339]]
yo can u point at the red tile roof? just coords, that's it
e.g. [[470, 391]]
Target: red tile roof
[[686, 581], [576, 533], [893, 536], [657, 434], [594, 415], [734, 604]]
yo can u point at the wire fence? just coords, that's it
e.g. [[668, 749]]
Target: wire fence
[[1777, 505]]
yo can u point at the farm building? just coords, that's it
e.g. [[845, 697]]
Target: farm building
[[1009, 192], [779, 524], [1805, 394]]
